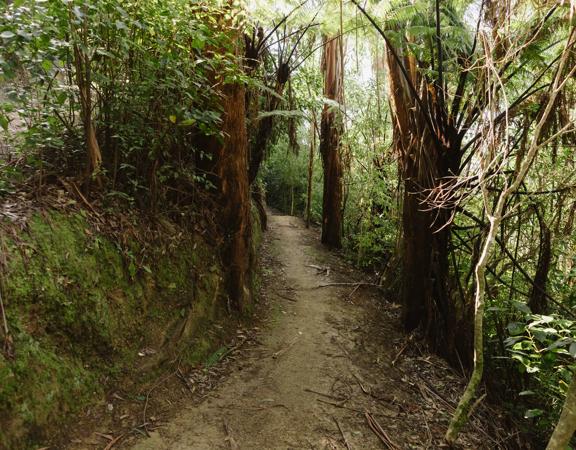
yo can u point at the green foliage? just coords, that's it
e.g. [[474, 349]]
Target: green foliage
[[285, 176], [544, 347], [152, 67]]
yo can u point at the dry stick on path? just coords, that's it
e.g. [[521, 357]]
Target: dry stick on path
[[342, 433], [233, 444], [114, 441], [156, 385], [285, 349], [378, 431], [495, 216], [338, 399], [285, 297]]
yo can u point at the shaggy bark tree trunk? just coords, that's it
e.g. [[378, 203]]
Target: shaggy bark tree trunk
[[235, 194], [426, 296], [229, 169], [330, 132]]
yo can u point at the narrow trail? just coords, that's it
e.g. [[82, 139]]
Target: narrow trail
[[322, 376]]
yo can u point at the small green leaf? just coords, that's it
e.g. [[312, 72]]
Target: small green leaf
[[522, 307], [533, 413], [187, 122], [172, 118], [4, 122], [523, 393], [47, 65], [515, 328]]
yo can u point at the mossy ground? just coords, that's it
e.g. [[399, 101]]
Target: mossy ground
[[80, 307]]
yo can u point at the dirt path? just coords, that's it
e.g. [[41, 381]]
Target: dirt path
[[324, 370]]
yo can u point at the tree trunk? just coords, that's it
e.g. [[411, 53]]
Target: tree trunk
[[84, 84], [426, 296], [330, 132], [538, 301], [231, 170], [310, 170]]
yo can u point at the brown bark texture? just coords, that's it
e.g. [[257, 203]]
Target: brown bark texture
[[330, 133], [425, 162], [232, 171]]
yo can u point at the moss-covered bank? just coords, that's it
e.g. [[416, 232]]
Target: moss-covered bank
[[83, 309]]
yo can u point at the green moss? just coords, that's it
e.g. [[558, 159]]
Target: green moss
[[80, 308], [36, 386]]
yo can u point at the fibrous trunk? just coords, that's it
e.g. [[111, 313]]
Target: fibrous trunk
[[423, 166], [330, 133]]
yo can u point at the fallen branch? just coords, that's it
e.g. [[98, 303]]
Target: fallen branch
[[285, 297]]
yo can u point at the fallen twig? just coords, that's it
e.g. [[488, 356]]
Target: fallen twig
[[233, 444], [158, 383], [404, 347], [114, 441], [320, 268], [378, 431], [349, 296], [285, 297], [285, 349], [325, 395], [342, 433], [339, 405]]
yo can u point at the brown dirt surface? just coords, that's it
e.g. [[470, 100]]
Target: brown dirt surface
[[329, 368]]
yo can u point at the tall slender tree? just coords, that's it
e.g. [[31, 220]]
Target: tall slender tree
[[330, 141]]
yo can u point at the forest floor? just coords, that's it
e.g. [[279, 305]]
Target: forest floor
[[328, 367]]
